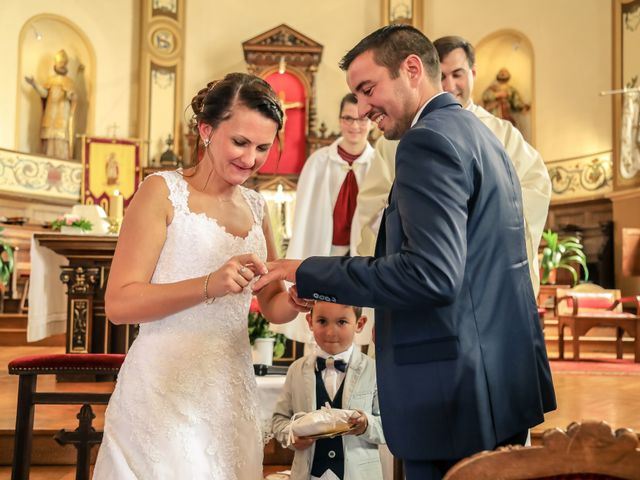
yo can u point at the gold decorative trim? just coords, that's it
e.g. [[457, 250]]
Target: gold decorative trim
[[153, 23], [417, 14], [80, 328]]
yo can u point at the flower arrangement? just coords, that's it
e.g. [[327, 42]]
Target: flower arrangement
[[259, 328], [68, 220]]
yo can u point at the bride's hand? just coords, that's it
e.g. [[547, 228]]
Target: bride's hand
[[235, 275]]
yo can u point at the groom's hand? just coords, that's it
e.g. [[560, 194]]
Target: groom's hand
[[300, 304], [278, 270]]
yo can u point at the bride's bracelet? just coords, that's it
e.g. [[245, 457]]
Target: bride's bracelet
[[207, 299]]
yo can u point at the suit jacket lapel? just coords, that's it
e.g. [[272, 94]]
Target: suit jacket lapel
[[351, 378], [309, 376]]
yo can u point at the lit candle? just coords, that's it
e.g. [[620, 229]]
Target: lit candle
[[116, 206]]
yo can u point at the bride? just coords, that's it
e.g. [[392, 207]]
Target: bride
[[185, 404]]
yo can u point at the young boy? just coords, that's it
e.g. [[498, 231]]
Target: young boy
[[339, 374]]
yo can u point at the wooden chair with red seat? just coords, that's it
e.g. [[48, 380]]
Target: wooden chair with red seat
[[586, 306], [28, 368], [587, 451]]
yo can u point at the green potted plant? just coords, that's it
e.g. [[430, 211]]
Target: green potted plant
[[560, 254], [6, 267], [267, 345]]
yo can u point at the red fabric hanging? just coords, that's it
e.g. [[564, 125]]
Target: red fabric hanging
[[345, 203]]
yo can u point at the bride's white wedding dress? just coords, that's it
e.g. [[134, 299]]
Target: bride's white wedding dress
[[185, 403]]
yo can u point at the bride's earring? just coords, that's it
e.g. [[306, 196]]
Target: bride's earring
[[206, 142]]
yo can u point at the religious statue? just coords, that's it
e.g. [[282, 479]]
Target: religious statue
[[501, 99], [59, 101]]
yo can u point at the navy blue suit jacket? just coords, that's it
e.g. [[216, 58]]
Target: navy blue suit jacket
[[461, 360]]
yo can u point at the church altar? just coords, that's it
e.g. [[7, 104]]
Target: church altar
[[81, 262]]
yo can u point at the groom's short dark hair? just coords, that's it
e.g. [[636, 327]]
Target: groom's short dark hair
[[391, 45]]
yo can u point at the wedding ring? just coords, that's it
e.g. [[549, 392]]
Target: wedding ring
[[242, 269]]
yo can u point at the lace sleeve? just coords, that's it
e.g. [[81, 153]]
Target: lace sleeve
[[178, 193]]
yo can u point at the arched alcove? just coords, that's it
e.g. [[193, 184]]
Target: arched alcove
[[40, 38], [512, 50]]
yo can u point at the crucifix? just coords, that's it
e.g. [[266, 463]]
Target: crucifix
[[286, 106], [112, 129], [83, 438]]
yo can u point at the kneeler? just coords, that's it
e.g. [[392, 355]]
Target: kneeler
[[85, 436]]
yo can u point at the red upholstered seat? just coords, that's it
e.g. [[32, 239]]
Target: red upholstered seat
[[28, 368], [606, 314], [67, 363], [600, 303], [586, 306]]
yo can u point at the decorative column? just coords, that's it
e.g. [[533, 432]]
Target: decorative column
[[161, 76]]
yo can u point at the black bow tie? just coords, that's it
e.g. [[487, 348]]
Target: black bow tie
[[338, 364]]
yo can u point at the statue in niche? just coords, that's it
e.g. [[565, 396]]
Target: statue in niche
[[501, 99], [59, 102]]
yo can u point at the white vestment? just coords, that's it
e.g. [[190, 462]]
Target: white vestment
[[318, 186]]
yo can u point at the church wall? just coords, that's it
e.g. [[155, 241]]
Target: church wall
[[111, 27], [571, 43], [216, 30]]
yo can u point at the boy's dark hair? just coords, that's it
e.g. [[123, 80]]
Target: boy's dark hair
[[348, 98], [445, 45], [356, 310], [391, 45]]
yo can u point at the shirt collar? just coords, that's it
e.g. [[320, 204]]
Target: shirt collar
[[345, 356], [417, 117]]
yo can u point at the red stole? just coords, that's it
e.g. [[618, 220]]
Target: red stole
[[345, 203]]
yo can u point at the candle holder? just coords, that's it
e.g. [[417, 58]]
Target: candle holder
[[114, 225]]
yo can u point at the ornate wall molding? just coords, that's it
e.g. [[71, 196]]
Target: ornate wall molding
[[23, 174], [581, 177]]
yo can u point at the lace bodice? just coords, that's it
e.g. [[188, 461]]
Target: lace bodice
[[186, 397], [196, 245]]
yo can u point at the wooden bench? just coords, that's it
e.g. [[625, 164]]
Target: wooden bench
[[586, 306]]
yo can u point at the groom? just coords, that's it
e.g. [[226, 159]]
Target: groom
[[461, 360]]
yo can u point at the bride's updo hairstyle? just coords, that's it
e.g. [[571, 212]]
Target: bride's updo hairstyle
[[214, 104]]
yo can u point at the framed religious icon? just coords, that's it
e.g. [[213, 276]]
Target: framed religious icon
[[402, 11], [110, 168]]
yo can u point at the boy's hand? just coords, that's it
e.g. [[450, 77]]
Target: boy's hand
[[302, 443], [361, 423]]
